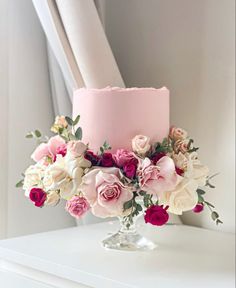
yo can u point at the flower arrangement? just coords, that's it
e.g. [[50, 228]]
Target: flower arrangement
[[154, 178]]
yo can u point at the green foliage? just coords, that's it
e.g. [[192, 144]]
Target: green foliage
[[69, 121], [105, 147], [20, 183], [78, 133]]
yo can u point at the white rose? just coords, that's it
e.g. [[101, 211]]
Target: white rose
[[52, 198], [66, 175], [140, 144], [196, 170], [183, 198], [33, 177], [181, 160]]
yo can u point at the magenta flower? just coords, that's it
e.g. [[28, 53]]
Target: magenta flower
[[198, 208], [38, 196], [156, 215]]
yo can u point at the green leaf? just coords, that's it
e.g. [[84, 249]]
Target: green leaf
[[214, 215], [37, 133], [128, 204], [142, 193], [200, 199], [209, 204], [218, 221], [69, 121], [20, 183], [201, 192], [194, 149], [139, 207], [76, 121], [78, 133], [29, 135]]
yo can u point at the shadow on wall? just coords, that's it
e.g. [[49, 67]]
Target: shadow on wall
[[187, 46]]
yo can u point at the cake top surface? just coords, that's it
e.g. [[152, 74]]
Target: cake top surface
[[119, 89]]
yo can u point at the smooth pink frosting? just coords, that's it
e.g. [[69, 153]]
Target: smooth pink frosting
[[118, 114]]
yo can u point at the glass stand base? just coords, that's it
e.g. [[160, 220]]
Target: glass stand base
[[128, 241]]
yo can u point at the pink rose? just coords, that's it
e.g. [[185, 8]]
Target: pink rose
[[76, 148], [105, 192], [177, 133], [38, 196], [156, 179], [77, 206], [156, 215], [122, 157], [54, 146]]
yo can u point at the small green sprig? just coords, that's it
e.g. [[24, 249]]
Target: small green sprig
[[214, 215], [161, 147], [105, 147], [71, 133]]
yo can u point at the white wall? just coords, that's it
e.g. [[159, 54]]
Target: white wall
[[188, 46], [29, 107], [3, 115]]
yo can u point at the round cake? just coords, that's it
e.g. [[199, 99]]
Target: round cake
[[116, 115]]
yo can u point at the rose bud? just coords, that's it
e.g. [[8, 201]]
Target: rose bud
[[198, 208]]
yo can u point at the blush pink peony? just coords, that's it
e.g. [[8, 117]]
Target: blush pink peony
[[105, 192], [156, 179], [56, 145]]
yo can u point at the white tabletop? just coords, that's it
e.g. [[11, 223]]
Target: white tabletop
[[186, 257]]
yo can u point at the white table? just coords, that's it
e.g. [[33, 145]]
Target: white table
[[186, 257]]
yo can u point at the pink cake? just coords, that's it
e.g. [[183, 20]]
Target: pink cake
[[118, 114]]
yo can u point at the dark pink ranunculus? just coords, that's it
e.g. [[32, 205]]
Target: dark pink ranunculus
[[156, 215], [92, 157], [122, 157], [38, 196], [157, 157], [130, 170], [198, 208], [106, 160]]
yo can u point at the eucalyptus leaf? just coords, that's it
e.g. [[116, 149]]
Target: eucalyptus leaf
[[37, 133], [128, 204], [29, 135], [69, 121], [214, 215], [78, 133], [76, 121], [20, 183], [201, 192]]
